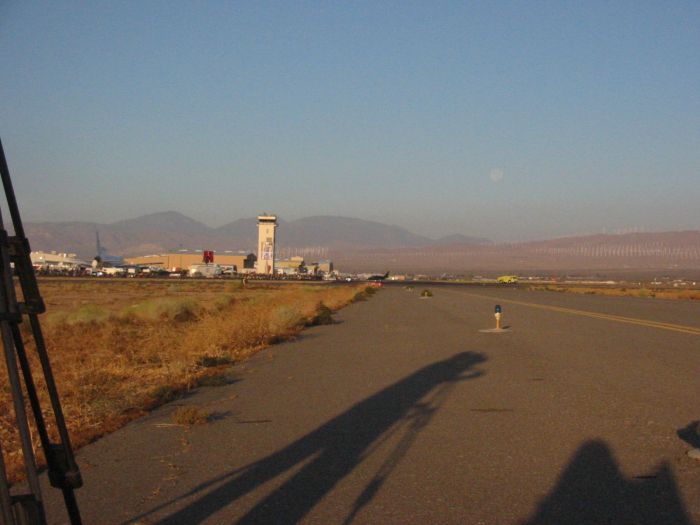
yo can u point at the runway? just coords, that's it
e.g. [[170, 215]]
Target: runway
[[404, 412]]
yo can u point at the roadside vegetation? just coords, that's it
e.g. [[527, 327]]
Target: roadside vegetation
[[658, 293], [121, 348]]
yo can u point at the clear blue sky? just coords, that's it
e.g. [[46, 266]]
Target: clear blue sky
[[510, 120]]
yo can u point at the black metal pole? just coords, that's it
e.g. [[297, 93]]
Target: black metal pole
[[10, 194], [5, 501], [62, 469]]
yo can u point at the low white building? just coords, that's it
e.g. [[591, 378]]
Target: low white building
[[205, 270], [57, 261], [112, 272]]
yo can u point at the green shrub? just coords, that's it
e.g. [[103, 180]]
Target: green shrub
[[207, 361], [164, 394], [213, 380], [359, 296], [324, 315], [87, 314], [284, 318], [426, 293], [224, 301], [171, 309]]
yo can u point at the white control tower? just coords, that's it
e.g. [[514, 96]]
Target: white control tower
[[267, 224]]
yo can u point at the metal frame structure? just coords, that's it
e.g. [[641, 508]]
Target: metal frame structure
[[27, 508]]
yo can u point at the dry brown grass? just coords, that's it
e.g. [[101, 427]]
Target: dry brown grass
[[658, 293], [190, 416], [120, 348]]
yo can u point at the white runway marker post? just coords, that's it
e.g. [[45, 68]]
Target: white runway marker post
[[497, 313]]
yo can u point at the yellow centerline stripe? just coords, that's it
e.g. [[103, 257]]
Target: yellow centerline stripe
[[608, 317]]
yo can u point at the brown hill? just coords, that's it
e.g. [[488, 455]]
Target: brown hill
[[609, 253], [310, 236]]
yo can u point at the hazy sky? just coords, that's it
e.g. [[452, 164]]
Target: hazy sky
[[510, 120]]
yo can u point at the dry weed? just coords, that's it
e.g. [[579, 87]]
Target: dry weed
[[658, 293], [190, 416], [119, 349]]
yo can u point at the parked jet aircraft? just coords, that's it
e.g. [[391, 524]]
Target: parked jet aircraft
[[378, 277], [103, 258]]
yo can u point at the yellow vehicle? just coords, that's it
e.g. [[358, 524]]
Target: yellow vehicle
[[508, 279]]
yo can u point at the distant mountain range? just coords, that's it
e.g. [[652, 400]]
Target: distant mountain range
[[366, 246], [159, 232], [626, 254]]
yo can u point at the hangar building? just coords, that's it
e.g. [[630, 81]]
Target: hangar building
[[182, 260]]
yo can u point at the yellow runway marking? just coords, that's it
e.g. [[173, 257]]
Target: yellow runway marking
[[595, 315]]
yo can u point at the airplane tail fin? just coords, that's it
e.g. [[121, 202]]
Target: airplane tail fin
[[386, 275]]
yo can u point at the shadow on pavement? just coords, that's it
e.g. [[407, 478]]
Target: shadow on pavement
[[689, 434], [332, 451], [592, 490]]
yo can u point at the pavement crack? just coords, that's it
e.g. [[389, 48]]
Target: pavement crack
[[492, 410]]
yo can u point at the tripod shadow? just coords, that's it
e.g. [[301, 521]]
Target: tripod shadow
[[592, 490], [329, 453]]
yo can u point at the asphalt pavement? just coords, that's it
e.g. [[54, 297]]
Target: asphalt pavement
[[404, 412]]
